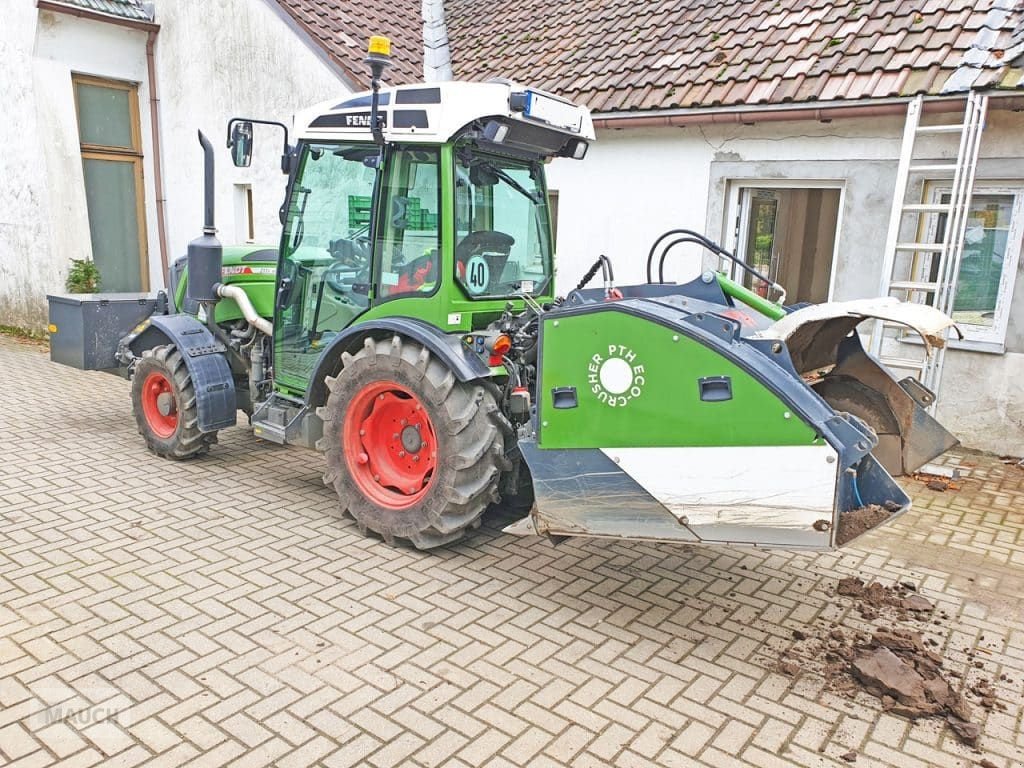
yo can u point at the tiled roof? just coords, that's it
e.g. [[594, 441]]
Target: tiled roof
[[127, 9], [343, 27], [660, 54], [994, 58]]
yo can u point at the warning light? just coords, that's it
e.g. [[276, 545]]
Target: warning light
[[502, 344], [379, 46]]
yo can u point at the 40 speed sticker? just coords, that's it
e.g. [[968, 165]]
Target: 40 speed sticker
[[616, 377]]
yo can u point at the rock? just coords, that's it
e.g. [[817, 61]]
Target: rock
[[799, 635], [986, 763], [877, 594], [883, 671], [837, 635], [849, 757], [899, 640], [967, 732], [790, 668], [937, 485], [909, 586], [916, 603], [850, 587]]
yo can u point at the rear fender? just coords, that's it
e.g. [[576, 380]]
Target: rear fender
[[206, 360]]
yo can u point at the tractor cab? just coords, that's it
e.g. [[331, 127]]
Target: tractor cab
[[420, 202]]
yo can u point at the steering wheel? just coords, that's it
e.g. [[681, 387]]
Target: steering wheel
[[342, 277], [351, 263], [352, 252]]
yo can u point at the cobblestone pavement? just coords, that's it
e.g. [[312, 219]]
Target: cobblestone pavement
[[219, 612]]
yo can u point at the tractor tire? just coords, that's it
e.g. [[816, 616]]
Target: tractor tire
[[164, 404], [414, 454]]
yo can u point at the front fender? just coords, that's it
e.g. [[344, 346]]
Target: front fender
[[464, 364], [206, 360]]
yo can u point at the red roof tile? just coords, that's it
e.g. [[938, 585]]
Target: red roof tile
[[342, 28], [628, 55], [663, 54]]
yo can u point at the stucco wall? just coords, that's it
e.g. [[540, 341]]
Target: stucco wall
[[219, 60], [214, 60], [635, 184]]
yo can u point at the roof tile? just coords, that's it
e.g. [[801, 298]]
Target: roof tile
[[127, 9], [658, 54]]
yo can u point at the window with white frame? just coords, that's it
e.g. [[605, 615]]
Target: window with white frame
[[988, 266]]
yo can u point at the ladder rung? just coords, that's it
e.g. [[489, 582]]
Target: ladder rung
[[927, 208], [910, 285], [936, 167], [949, 128], [937, 247], [903, 362]]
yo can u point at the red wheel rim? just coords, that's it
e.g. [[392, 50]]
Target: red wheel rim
[[389, 445], [163, 424]]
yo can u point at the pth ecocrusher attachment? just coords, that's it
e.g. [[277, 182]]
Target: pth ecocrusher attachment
[[704, 413]]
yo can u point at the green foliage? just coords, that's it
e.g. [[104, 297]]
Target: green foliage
[[83, 277], [23, 334]]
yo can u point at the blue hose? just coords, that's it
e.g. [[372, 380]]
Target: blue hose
[[856, 491]]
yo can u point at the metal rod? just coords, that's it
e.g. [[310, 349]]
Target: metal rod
[[731, 288]]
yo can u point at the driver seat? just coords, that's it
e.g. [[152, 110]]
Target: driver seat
[[494, 246]]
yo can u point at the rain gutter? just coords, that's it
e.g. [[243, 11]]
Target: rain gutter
[[821, 111]]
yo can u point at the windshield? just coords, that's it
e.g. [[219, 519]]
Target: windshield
[[503, 242]]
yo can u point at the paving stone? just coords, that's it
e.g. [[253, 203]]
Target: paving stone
[[231, 616]]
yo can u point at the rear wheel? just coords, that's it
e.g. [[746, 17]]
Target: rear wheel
[[413, 453], [164, 403]]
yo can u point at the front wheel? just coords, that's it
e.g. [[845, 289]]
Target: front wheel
[[164, 404], [413, 453]]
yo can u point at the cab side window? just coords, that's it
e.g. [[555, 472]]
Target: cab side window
[[409, 243]]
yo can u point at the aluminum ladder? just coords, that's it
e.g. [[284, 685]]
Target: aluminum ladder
[[902, 277]]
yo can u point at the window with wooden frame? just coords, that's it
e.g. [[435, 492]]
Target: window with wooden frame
[[111, 146]]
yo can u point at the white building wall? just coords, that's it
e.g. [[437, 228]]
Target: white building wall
[[214, 60], [218, 60], [636, 184]]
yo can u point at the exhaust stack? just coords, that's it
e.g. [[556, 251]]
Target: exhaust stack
[[205, 255]]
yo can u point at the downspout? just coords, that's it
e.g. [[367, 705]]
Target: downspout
[[437, 55], [158, 176]]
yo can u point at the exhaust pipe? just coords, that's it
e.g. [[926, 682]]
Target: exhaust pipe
[[205, 255]]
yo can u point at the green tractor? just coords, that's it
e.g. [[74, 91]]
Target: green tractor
[[408, 327]]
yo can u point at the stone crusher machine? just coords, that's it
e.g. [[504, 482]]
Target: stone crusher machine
[[407, 325]]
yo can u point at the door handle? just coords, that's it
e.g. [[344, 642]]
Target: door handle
[[284, 291]]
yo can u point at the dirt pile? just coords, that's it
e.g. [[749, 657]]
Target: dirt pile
[[857, 521], [895, 662], [871, 597], [896, 667]]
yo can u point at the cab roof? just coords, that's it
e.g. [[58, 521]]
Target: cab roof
[[435, 113]]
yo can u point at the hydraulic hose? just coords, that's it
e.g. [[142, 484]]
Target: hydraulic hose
[[605, 265], [241, 298]]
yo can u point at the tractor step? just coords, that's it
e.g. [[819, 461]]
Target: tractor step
[[283, 421]]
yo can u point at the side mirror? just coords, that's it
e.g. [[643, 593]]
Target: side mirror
[[241, 144]]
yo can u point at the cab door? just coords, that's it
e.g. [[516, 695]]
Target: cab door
[[340, 254], [326, 255]]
